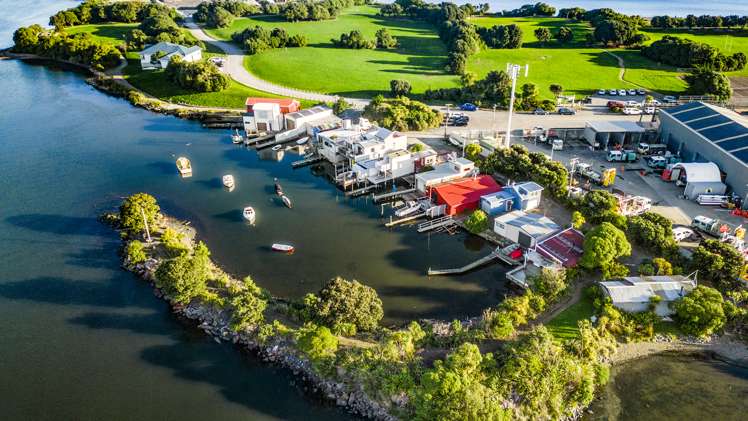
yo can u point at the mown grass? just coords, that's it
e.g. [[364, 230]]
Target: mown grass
[[112, 33], [564, 326], [321, 67]]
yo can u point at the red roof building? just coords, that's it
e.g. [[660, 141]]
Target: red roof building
[[287, 105], [464, 195], [564, 247]]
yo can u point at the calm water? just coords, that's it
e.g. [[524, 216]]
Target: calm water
[[639, 7], [673, 387]]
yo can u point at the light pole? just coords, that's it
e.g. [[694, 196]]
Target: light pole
[[513, 71], [493, 119], [573, 163], [446, 122]]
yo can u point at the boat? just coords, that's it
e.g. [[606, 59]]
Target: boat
[[184, 166], [278, 188], [236, 137], [249, 214], [277, 147], [410, 208], [228, 181], [303, 140], [284, 248], [286, 201]]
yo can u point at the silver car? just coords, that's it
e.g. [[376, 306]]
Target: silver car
[[622, 92]]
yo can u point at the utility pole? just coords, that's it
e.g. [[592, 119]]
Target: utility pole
[[446, 122], [573, 163], [145, 222], [513, 71], [493, 120]]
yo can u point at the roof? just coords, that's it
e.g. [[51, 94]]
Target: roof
[[638, 289], [398, 153], [467, 190], [283, 102], [169, 48], [564, 247], [722, 127], [317, 109], [616, 126], [700, 172], [533, 224], [495, 199], [463, 161], [439, 172], [528, 187]]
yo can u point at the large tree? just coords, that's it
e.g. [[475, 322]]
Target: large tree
[[709, 82], [603, 245], [719, 263], [342, 301], [701, 312], [543, 35], [134, 208], [249, 306], [184, 277]]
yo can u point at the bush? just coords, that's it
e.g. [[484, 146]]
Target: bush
[[719, 263], [502, 36], [317, 342], [173, 241], [400, 88], [136, 207], [354, 39], [385, 40], [473, 151], [248, 306], [258, 39], [342, 301], [709, 82], [201, 76], [477, 222], [402, 114], [701, 312], [184, 277], [135, 252], [221, 13], [602, 246], [549, 283], [516, 162]]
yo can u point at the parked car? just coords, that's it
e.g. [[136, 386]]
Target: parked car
[[641, 91], [566, 111], [461, 122], [468, 107], [616, 104], [656, 162], [632, 111], [540, 111], [650, 110], [682, 233], [633, 104], [655, 103], [632, 92], [601, 92], [622, 92], [613, 92], [669, 99]]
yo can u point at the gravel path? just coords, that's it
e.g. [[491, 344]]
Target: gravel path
[[235, 68]]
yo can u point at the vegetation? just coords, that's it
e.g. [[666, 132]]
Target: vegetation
[[577, 220], [248, 305], [305, 10], [493, 89], [602, 246], [400, 88], [477, 222], [135, 252], [342, 301], [77, 48], [516, 162], [719, 263], [473, 151], [355, 40], [709, 82], [682, 52], [173, 241], [402, 114], [703, 21], [543, 35], [200, 76], [502, 36], [258, 39], [317, 342], [184, 277], [134, 209], [599, 206], [385, 40], [537, 9], [701, 312], [96, 11], [221, 13]]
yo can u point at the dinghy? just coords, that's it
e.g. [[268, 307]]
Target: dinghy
[[184, 166], [228, 181], [286, 201], [284, 248], [278, 188], [302, 141], [277, 147], [410, 208], [249, 214], [236, 138]]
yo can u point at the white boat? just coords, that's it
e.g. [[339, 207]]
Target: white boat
[[302, 141], [228, 181], [410, 208], [285, 248], [286, 201], [236, 137], [278, 188], [184, 166], [277, 147], [249, 214]]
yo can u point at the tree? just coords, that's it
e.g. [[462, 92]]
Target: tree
[[340, 105], [600, 206], [173, 241], [653, 231], [556, 89], [135, 252], [603, 245], [564, 35], [182, 278], [543, 34], [701, 312], [719, 263], [709, 82], [248, 306], [549, 283], [400, 88], [317, 342], [473, 151], [416, 147], [616, 32], [354, 39], [662, 266], [136, 207], [477, 222], [201, 76], [349, 301], [577, 220], [468, 79], [385, 40], [221, 18]]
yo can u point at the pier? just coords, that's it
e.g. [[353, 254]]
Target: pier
[[403, 220], [392, 195], [258, 139], [470, 266], [444, 221], [306, 161]]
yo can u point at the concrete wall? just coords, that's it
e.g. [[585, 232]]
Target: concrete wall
[[694, 148]]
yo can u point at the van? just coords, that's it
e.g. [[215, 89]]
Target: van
[[651, 149]]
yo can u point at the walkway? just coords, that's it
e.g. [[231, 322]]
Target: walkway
[[235, 68]]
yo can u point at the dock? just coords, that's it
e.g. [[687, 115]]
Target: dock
[[392, 195], [254, 140], [306, 161], [470, 266], [405, 219], [436, 223], [361, 191], [274, 142]]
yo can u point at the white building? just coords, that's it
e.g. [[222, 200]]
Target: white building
[[264, 117], [394, 164], [309, 116], [524, 228], [698, 178], [443, 173], [633, 294], [356, 144], [157, 56]]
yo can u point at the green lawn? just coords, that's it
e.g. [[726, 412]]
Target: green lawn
[[113, 33], [320, 67], [564, 326]]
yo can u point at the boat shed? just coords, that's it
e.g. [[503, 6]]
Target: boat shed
[[699, 178], [464, 195], [443, 173], [563, 247], [633, 294], [308, 116], [521, 196], [527, 229], [607, 134], [700, 132]]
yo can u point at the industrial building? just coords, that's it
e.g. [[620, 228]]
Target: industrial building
[[610, 134], [701, 132]]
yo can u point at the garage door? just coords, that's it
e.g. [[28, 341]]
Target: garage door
[[525, 240]]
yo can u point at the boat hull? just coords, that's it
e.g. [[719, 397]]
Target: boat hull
[[282, 248]]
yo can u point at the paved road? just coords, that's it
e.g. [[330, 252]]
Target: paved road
[[235, 68]]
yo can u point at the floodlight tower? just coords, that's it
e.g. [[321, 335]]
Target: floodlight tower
[[513, 71]]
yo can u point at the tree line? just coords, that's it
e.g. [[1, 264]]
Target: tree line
[[703, 21], [356, 40], [258, 39], [97, 11], [77, 48], [682, 52]]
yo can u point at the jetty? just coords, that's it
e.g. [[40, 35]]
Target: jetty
[[258, 139], [444, 221], [306, 161], [361, 191], [501, 254], [392, 195], [404, 220]]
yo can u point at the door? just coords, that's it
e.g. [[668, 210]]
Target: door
[[524, 240], [262, 127]]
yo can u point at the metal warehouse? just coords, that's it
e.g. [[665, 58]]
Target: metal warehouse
[[706, 133]]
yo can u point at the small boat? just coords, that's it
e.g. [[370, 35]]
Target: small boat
[[249, 214], [284, 248], [277, 147], [236, 137], [228, 181], [184, 166], [278, 188], [302, 141], [410, 208], [286, 201]]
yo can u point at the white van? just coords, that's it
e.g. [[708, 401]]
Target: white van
[[651, 149]]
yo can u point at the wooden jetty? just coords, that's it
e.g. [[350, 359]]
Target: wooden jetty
[[403, 220], [306, 161], [258, 139], [392, 195], [436, 223], [276, 141], [500, 254], [362, 190]]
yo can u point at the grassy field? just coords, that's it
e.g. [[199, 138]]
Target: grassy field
[[564, 326], [320, 67], [113, 33]]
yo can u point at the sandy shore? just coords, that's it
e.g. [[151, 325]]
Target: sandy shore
[[725, 347]]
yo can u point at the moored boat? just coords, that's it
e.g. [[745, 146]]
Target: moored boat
[[286, 201], [236, 137], [277, 147], [249, 214], [302, 141], [410, 208], [184, 166], [228, 181], [284, 248], [278, 188]]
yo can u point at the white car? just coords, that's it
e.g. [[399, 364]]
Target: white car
[[632, 111], [641, 91], [613, 92], [632, 92], [682, 233], [669, 99], [632, 104], [601, 92], [654, 103], [622, 92]]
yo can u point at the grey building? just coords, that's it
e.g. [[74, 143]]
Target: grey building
[[607, 134], [702, 132]]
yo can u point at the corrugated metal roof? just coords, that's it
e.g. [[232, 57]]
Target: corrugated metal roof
[[639, 289], [700, 172], [534, 224]]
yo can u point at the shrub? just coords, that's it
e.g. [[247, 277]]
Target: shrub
[[135, 252], [701, 312], [184, 277], [473, 151], [400, 88], [354, 39], [477, 222], [385, 40], [248, 306], [342, 301], [201, 76], [602, 246], [317, 342], [134, 209], [402, 114], [258, 39], [173, 241]]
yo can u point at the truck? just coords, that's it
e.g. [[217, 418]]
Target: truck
[[586, 171], [622, 156], [651, 149], [711, 226]]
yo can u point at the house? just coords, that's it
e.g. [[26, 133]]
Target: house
[[464, 194], [563, 247], [357, 144], [634, 294], [526, 229], [607, 134], [264, 117], [302, 118], [157, 56], [443, 173], [699, 132], [394, 164], [522, 196], [286, 105], [424, 158], [533, 266], [698, 178]]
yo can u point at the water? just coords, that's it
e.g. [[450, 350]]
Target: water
[[673, 387], [639, 7]]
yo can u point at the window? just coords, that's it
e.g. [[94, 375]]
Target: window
[[499, 225]]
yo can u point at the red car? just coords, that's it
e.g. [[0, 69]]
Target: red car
[[616, 104]]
